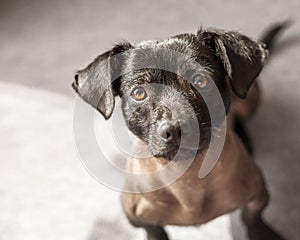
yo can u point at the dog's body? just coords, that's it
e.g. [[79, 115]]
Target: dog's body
[[190, 200], [229, 60]]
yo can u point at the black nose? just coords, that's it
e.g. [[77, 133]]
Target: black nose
[[169, 131]]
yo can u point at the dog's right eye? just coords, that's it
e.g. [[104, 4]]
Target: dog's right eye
[[201, 81], [138, 94]]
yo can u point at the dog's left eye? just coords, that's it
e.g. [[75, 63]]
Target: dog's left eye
[[201, 81], [138, 94]]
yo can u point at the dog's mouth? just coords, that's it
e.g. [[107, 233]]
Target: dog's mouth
[[169, 155], [186, 146], [176, 153]]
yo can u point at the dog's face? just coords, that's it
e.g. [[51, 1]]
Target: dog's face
[[161, 104]]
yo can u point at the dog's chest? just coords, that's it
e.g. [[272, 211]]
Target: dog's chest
[[178, 203], [191, 200]]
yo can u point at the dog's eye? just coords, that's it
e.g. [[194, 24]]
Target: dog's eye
[[138, 94], [201, 81]]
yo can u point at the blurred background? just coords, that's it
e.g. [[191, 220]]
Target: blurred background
[[45, 192]]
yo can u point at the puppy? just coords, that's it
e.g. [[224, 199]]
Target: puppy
[[158, 116]]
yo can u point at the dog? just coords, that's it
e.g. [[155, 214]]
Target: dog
[[158, 116]]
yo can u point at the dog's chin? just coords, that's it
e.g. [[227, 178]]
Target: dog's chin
[[169, 155], [176, 154]]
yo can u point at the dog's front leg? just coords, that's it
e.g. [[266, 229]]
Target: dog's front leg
[[252, 217], [156, 233]]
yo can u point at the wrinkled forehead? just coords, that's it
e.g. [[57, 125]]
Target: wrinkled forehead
[[158, 61]]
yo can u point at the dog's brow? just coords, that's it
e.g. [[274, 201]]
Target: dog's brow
[[183, 83], [142, 76]]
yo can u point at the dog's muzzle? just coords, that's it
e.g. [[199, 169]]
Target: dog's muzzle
[[168, 139]]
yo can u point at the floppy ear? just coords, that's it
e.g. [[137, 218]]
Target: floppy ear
[[98, 83], [242, 57]]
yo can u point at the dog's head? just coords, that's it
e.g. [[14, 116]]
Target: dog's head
[[162, 93]]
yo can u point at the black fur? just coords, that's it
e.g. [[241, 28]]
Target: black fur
[[240, 129], [220, 55], [229, 59]]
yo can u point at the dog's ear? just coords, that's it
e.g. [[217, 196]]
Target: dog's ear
[[99, 82], [242, 57]]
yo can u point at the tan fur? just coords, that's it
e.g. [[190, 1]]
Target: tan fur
[[234, 182]]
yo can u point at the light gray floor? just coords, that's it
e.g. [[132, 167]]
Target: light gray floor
[[42, 43]]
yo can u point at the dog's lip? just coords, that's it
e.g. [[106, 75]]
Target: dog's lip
[[175, 150], [180, 154]]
